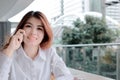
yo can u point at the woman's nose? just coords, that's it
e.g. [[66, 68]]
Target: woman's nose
[[34, 31]]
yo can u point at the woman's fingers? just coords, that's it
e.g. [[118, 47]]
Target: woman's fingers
[[19, 35], [17, 39], [20, 31]]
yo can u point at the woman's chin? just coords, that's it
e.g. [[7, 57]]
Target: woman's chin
[[31, 44]]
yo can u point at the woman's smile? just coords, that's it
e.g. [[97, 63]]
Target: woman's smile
[[32, 38]]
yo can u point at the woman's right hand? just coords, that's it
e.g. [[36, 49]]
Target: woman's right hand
[[14, 43]]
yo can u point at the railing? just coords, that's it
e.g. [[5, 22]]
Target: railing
[[102, 59]]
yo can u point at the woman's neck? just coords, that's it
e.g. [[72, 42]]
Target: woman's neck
[[31, 51]]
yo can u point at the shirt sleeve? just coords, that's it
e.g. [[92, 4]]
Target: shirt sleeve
[[5, 63], [59, 68]]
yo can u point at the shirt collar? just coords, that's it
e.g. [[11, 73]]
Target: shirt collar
[[41, 54]]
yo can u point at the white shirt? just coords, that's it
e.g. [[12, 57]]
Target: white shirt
[[21, 67]]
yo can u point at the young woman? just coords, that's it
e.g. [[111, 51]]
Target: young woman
[[28, 55]]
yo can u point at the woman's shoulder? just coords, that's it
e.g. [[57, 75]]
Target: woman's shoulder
[[49, 50]]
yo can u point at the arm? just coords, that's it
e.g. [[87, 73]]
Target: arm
[[7, 52], [5, 64], [59, 69]]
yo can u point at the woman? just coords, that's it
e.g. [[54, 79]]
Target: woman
[[29, 55]]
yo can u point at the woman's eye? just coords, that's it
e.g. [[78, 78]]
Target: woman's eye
[[27, 26], [40, 29]]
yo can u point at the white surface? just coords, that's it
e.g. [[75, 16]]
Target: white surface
[[81, 75], [9, 8]]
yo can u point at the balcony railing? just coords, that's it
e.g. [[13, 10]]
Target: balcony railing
[[100, 59]]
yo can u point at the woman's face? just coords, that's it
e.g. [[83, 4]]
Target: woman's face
[[34, 32]]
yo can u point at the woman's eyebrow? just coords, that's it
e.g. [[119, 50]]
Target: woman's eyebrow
[[28, 23], [40, 25]]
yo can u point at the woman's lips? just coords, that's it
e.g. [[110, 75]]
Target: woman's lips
[[32, 38]]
